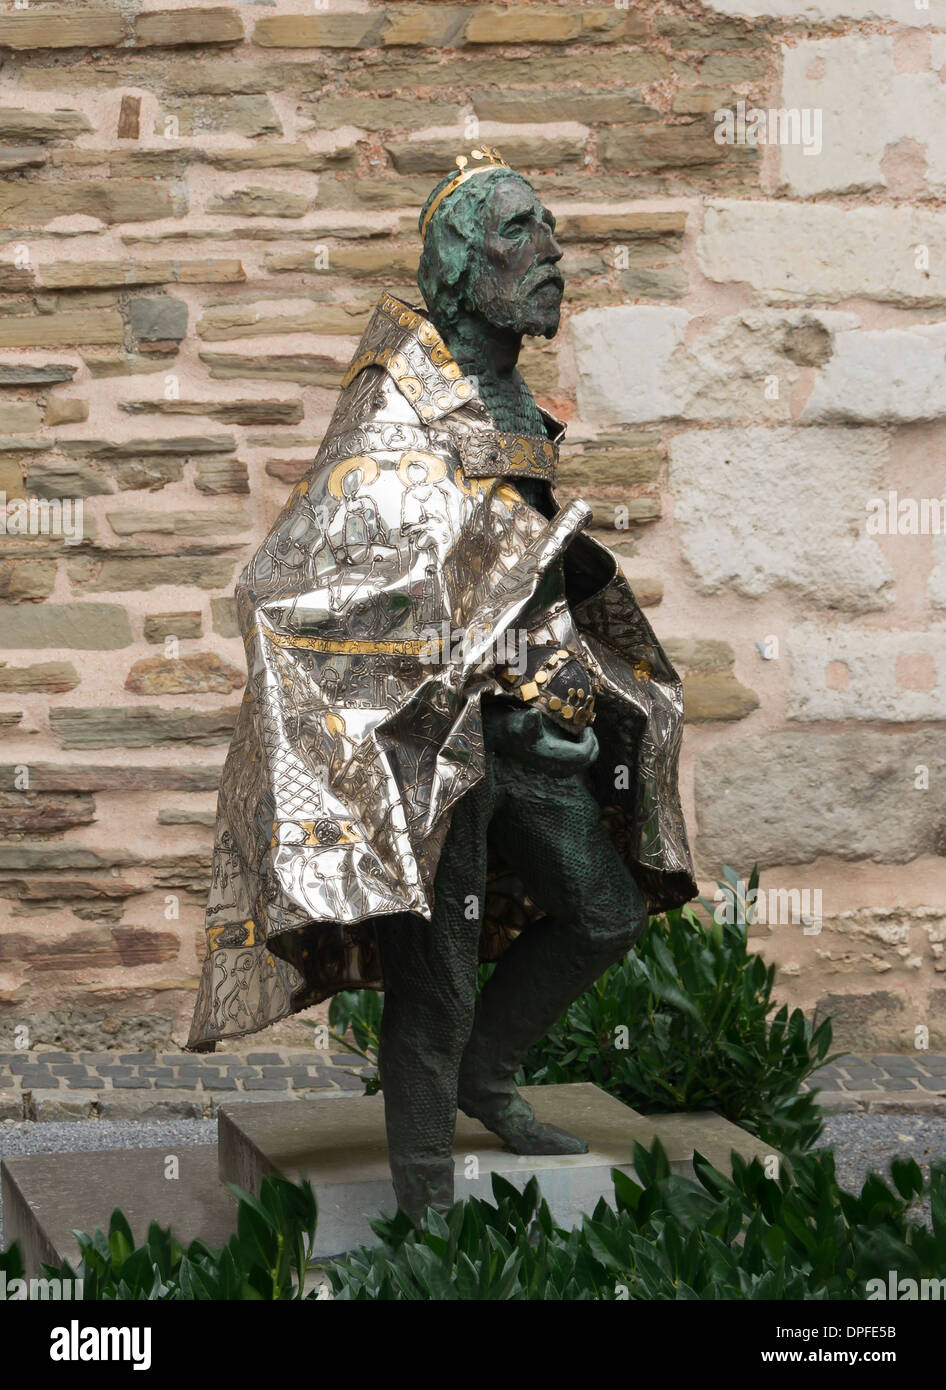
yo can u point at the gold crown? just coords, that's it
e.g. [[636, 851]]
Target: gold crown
[[493, 160]]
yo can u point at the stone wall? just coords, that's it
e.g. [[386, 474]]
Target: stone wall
[[199, 206]]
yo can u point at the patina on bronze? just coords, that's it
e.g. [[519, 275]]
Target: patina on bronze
[[398, 804]]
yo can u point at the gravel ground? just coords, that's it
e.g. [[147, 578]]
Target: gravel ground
[[861, 1143], [867, 1143]]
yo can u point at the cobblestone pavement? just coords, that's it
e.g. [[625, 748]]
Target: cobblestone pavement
[[48, 1086], [896, 1083]]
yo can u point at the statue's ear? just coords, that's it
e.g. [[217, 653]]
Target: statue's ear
[[453, 253]]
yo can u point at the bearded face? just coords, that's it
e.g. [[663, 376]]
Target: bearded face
[[514, 280]]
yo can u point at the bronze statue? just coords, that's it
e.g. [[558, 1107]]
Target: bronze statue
[[460, 735]]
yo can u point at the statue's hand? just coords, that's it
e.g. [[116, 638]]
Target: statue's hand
[[533, 739]]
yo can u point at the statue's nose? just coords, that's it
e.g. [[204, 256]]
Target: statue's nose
[[551, 250]]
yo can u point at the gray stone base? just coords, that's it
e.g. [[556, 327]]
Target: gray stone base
[[338, 1142], [339, 1145], [48, 1196]]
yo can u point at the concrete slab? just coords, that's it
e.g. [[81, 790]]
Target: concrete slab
[[905, 1103], [338, 1142], [11, 1106], [839, 1102], [47, 1196], [61, 1105], [150, 1105], [339, 1145]]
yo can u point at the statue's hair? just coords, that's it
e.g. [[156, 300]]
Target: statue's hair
[[454, 241]]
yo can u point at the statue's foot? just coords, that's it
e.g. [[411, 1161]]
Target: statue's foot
[[419, 1185], [514, 1120], [535, 1137]]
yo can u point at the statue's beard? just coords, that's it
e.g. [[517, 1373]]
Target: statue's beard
[[522, 311]]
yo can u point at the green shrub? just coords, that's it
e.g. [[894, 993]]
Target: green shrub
[[358, 1011], [681, 1023], [668, 1237], [744, 1236]]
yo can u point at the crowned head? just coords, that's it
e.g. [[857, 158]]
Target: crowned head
[[490, 250]]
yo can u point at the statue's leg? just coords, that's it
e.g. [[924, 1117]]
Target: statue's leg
[[549, 829], [429, 971]]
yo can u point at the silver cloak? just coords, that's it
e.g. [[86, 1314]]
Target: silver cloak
[[372, 615]]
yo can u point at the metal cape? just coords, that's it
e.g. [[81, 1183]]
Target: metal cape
[[371, 616]]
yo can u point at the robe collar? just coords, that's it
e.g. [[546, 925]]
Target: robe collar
[[401, 339]]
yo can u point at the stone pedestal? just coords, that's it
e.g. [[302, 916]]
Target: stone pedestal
[[339, 1145], [48, 1196]]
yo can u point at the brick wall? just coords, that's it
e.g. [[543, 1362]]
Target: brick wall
[[199, 206]]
